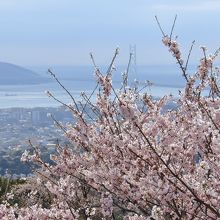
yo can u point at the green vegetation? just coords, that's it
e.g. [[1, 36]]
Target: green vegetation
[[6, 185]]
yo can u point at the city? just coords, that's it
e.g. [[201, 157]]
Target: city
[[20, 126]]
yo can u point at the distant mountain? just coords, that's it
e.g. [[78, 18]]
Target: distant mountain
[[159, 75], [13, 74]]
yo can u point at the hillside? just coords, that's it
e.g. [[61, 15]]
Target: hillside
[[13, 74]]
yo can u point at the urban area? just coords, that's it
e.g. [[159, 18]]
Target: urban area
[[21, 128]]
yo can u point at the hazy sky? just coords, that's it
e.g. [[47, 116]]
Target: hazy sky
[[63, 32]]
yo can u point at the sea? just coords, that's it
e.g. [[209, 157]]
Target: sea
[[165, 80]]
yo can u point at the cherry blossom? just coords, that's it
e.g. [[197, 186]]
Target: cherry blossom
[[132, 157]]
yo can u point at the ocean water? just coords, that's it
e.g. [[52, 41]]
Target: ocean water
[[78, 79]]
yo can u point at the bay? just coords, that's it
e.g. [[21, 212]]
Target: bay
[[78, 79], [35, 96]]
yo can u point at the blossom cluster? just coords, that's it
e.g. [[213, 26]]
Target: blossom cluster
[[173, 47], [135, 158]]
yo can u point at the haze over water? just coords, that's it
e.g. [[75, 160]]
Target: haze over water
[[166, 79], [64, 32]]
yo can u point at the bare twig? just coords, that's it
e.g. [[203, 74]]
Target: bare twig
[[54, 76], [112, 61], [158, 23], [90, 96], [174, 22], [62, 103], [125, 80], [190, 51], [204, 53], [59, 124]]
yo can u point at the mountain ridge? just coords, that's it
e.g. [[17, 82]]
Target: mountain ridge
[[11, 74]]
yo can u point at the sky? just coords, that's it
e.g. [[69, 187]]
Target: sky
[[64, 32]]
